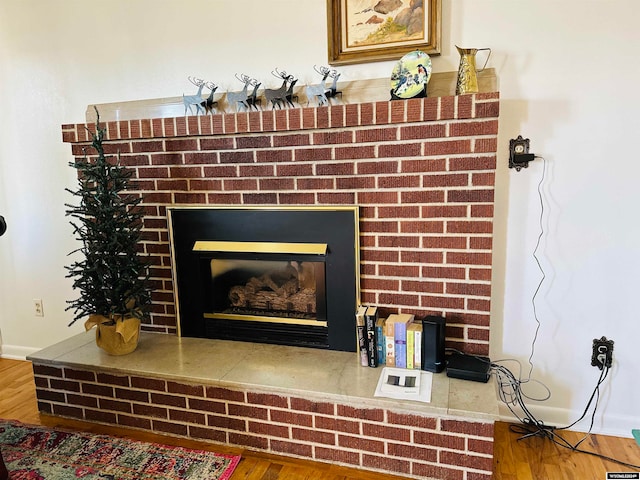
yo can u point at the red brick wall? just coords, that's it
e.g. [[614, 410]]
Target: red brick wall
[[411, 445], [422, 172]]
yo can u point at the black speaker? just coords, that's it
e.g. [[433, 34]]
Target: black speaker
[[433, 330]]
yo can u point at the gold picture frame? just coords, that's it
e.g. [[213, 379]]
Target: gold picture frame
[[358, 35]]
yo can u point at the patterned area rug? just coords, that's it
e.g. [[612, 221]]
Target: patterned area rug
[[34, 453]]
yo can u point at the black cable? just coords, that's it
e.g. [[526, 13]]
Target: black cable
[[510, 392], [535, 257], [530, 426], [510, 387], [603, 375]]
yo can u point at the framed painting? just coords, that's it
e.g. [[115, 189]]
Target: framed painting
[[362, 31]]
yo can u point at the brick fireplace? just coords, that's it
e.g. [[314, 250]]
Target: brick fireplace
[[421, 172]]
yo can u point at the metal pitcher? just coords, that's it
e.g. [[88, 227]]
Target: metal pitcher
[[467, 72]]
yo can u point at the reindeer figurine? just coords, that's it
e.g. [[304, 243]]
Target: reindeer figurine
[[318, 92], [252, 99], [333, 92], [209, 104], [290, 97], [234, 99], [194, 100], [278, 96]]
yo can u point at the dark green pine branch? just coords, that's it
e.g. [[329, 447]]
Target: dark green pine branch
[[112, 279]]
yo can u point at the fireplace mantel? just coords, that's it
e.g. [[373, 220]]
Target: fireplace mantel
[[441, 84]]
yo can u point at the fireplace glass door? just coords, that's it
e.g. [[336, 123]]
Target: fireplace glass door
[[267, 290], [271, 290]]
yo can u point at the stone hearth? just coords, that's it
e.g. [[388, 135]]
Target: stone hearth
[[294, 401]]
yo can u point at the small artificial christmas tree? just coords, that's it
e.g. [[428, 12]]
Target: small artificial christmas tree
[[113, 279]]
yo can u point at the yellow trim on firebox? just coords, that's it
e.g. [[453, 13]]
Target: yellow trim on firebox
[[261, 247], [265, 318]]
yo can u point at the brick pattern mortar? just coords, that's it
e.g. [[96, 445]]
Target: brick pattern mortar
[[411, 445], [422, 172]]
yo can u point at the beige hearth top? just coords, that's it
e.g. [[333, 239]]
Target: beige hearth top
[[312, 373]]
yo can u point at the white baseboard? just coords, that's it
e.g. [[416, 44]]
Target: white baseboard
[[16, 352], [604, 424]]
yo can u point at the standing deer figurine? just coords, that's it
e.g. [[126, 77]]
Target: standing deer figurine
[[209, 104], [278, 96], [252, 99], [194, 100], [290, 97], [319, 91], [240, 98], [333, 92]]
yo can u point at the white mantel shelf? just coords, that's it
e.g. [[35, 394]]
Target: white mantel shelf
[[442, 84]]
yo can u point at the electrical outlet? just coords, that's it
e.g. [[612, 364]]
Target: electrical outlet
[[38, 308], [602, 353], [519, 156]]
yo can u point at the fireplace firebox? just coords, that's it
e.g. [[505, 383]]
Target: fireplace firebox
[[287, 275]]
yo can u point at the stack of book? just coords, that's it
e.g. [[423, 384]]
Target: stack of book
[[394, 342]]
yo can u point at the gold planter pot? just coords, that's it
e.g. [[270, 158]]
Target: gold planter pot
[[118, 337]]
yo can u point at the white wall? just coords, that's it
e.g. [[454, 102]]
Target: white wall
[[568, 78]]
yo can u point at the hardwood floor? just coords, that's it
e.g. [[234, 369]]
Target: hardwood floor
[[531, 459]]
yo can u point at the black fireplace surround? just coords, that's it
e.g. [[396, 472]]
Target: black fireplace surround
[[199, 240]]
